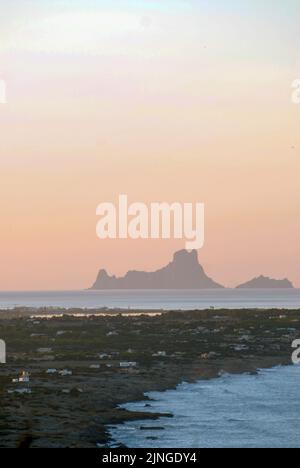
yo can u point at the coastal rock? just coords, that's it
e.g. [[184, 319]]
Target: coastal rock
[[183, 272], [263, 282]]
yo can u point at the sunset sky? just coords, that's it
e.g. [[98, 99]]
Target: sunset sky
[[170, 100]]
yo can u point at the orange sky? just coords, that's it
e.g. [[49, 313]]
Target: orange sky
[[185, 104]]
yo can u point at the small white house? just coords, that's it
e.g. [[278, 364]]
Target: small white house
[[65, 372], [21, 391], [51, 371], [160, 354], [241, 348], [112, 333], [104, 356], [127, 364], [44, 350], [24, 378]]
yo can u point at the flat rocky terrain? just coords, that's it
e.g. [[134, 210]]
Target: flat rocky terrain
[[112, 359]]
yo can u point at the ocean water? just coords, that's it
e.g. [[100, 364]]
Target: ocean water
[[240, 411], [150, 299]]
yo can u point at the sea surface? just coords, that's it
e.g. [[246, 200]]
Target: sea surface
[[232, 411], [158, 299]]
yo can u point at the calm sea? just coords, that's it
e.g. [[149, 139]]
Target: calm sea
[[231, 411], [168, 300]]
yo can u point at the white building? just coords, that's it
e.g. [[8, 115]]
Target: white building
[[126, 364]]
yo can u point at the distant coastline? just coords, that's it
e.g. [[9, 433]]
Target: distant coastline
[[158, 300]]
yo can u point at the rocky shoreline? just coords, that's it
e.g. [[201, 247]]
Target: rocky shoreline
[[82, 367]]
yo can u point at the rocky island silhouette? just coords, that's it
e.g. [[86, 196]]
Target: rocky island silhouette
[[263, 282], [183, 272]]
